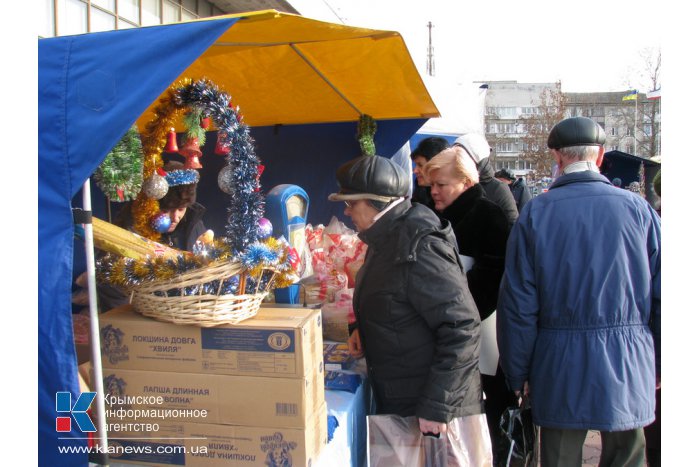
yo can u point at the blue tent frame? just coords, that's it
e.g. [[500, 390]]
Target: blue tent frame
[[92, 88]]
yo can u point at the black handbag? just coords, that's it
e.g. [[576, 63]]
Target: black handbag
[[522, 435]]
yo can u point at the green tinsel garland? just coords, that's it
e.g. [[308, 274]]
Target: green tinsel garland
[[120, 175], [366, 128]]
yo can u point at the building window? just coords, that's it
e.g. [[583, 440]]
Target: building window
[[505, 147], [71, 17], [150, 12], [101, 20], [171, 12], [125, 25], [629, 131], [105, 4], [46, 16], [204, 9], [612, 131], [129, 10], [81, 16], [502, 111], [187, 16], [506, 128]]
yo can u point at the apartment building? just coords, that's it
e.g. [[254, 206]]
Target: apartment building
[[508, 102]]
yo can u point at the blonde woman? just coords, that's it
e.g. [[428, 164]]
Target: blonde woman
[[482, 229]]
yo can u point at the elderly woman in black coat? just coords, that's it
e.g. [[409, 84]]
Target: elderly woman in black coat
[[417, 325], [482, 229]]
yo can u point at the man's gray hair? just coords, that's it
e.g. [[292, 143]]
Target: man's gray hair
[[580, 153]]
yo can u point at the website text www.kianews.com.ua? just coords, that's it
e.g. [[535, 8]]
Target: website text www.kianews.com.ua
[[118, 449]]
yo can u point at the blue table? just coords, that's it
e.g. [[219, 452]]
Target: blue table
[[348, 448]]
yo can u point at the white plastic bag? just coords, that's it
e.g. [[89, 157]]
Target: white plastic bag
[[337, 315], [397, 441]]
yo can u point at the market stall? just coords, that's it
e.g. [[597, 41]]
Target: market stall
[[284, 72]]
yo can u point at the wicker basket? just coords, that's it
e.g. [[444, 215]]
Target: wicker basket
[[204, 310]]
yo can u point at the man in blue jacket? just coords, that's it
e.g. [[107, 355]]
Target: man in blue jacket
[[579, 311]]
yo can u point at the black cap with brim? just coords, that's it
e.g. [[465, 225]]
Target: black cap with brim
[[370, 177], [576, 131]]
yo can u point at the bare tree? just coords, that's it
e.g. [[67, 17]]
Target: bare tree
[[551, 109], [643, 115]]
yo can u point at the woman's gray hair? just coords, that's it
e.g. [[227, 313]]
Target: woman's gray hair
[[580, 153]]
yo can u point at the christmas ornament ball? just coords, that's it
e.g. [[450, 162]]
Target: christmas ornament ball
[[225, 180], [161, 222], [155, 187], [264, 228]]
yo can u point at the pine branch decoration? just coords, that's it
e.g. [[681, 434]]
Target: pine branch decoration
[[120, 175], [366, 128]]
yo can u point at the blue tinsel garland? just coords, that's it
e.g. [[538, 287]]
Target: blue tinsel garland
[[182, 177], [247, 203]]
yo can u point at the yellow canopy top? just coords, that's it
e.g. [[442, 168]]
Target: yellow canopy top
[[282, 68]]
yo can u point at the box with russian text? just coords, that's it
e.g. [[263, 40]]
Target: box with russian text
[[135, 396], [195, 444], [277, 342]]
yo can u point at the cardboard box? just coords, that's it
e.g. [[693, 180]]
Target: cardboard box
[[194, 444], [228, 400], [277, 342]]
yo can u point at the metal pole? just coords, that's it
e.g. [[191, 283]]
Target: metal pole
[[634, 132], [94, 324]]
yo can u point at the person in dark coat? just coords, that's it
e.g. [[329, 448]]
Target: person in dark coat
[[426, 149], [417, 324], [186, 225], [481, 229], [479, 150], [181, 206], [517, 186]]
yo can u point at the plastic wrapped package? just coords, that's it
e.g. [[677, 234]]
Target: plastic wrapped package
[[397, 441], [323, 284], [336, 254], [337, 315]]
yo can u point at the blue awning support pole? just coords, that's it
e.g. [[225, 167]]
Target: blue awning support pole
[[94, 325]]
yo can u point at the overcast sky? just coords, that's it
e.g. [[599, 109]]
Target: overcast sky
[[589, 46]]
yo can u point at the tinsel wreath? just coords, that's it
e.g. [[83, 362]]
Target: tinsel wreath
[[120, 175], [366, 128], [247, 203]]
